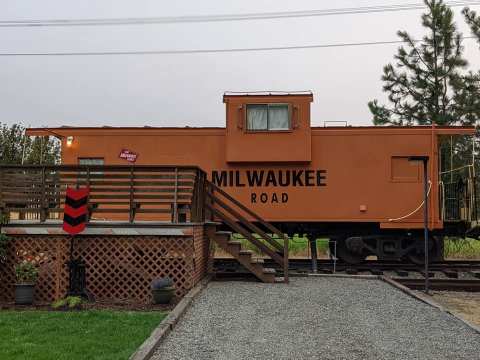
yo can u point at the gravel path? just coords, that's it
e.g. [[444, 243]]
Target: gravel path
[[315, 318]]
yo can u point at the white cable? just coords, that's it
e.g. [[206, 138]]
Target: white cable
[[418, 208]]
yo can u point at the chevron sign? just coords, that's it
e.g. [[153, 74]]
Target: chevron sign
[[75, 211]]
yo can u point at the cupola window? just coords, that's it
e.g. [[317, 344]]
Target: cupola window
[[265, 117]]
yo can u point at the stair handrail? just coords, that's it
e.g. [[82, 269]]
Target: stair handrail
[[246, 222], [269, 226], [281, 260]]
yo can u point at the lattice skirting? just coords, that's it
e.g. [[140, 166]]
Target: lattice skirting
[[118, 268]]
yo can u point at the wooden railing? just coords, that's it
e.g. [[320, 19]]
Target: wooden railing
[[134, 193], [161, 193], [242, 220]]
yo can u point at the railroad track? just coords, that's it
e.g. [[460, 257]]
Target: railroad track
[[453, 275]]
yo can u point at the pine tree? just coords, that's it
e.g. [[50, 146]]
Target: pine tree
[[428, 82]]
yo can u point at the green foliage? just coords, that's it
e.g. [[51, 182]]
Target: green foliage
[[3, 247], [15, 146], [458, 248], [60, 303], [74, 335], [70, 302], [74, 301], [297, 245], [26, 272], [473, 21], [428, 83]]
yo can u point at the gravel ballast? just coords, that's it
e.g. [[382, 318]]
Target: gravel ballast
[[316, 318]]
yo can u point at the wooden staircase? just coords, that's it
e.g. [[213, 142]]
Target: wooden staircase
[[244, 257], [223, 208]]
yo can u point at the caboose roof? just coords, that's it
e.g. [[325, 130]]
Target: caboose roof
[[267, 95], [112, 130]]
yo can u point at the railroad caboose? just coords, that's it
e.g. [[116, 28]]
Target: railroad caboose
[[354, 184]]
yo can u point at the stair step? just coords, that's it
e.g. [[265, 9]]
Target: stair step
[[257, 264], [246, 252], [245, 257], [223, 235], [257, 260], [269, 275]]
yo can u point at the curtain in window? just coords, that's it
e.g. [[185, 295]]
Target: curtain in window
[[257, 117], [278, 117]]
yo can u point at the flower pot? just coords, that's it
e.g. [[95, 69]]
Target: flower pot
[[24, 294], [164, 295]]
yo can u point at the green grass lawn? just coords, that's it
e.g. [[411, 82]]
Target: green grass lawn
[[89, 334]]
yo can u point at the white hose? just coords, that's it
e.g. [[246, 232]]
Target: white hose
[[418, 208]]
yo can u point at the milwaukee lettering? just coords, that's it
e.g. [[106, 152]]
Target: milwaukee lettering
[[267, 178]]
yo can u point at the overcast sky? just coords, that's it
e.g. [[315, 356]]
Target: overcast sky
[[186, 89]]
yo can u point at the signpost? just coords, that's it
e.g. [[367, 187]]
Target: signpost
[[74, 221], [424, 160]]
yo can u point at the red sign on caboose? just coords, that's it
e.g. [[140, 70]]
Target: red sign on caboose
[[75, 211], [128, 155]]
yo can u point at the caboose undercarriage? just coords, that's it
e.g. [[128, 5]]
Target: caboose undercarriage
[[354, 242]]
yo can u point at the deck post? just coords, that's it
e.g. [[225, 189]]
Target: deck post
[[285, 258], [43, 206], [131, 198], [313, 248], [175, 198]]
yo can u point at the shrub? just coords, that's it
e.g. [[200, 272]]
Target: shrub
[[59, 303], [70, 303], [26, 272], [161, 283], [458, 248]]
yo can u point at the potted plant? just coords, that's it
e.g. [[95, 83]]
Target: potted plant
[[162, 290], [26, 273]]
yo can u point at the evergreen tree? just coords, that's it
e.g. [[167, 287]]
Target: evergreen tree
[[428, 83]]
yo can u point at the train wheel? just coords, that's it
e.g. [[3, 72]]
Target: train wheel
[[435, 253], [343, 253]]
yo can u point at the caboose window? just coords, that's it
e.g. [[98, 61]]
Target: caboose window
[[268, 117], [91, 161]]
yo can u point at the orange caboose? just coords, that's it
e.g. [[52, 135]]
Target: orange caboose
[[355, 184]]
